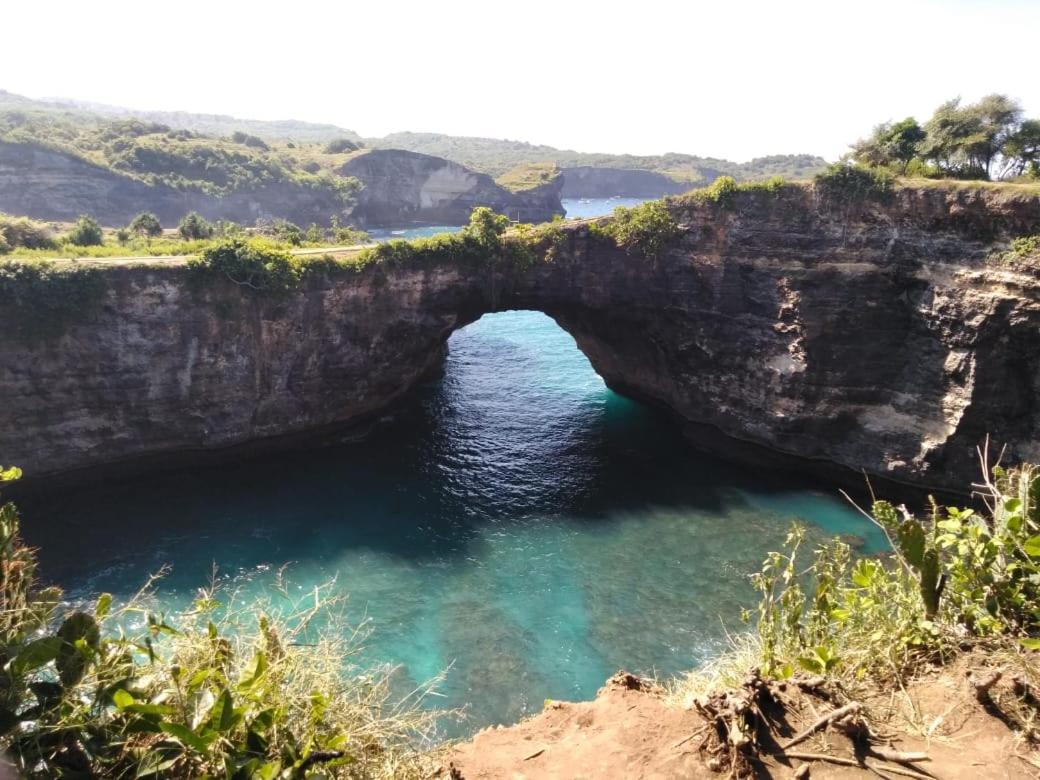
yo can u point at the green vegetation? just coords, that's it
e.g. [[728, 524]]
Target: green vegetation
[[496, 157], [725, 189], [645, 229], [955, 579], [854, 183], [1025, 249], [480, 243], [86, 232], [24, 233], [226, 690], [256, 264], [157, 153], [341, 146], [41, 298], [527, 177], [193, 227], [145, 224], [983, 140]]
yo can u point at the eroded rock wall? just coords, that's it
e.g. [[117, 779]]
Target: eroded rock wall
[[875, 337]]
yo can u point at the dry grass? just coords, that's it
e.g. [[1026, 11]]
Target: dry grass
[[961, 185]]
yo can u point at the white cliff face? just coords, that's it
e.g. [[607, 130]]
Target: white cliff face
[[401, 187], [445, 185], [879, 340]]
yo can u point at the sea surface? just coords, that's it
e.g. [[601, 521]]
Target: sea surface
[[513, 522], [575, 207]]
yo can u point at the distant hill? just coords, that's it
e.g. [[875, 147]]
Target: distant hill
[[61, 157], [204, 124], [495, 157]]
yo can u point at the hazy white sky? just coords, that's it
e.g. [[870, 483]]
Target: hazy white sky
[[732, 78]]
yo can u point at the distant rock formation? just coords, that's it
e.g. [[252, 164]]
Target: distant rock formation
[[402, 187], [398, 188], [588, 182], [855, 337]]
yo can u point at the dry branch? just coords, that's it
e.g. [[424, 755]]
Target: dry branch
[[852, 708]]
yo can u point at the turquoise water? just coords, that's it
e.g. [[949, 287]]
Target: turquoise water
[[597, 207], [585, 207], [514, 520]]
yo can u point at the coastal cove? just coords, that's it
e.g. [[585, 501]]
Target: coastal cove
[[514, 522]]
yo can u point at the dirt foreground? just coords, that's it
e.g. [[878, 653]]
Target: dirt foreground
[[936, 728]]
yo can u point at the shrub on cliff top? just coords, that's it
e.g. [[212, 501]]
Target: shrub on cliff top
[[21, 232], [645, 229], [479, 243], [42, 298], [854, 182], [255, 263], [145, 224], [953, 573], [86, 232], [193, 227]]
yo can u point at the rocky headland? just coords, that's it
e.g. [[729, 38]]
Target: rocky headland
[[875, 336]]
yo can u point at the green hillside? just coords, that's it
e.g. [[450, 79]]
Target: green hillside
[[495, 157], [219, 154]]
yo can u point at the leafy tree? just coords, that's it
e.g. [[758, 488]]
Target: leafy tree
[[315, 235], [193, 227], [968, 140], [890, 145], [123, 236], [341, 145], [146, 224], [249, 140], [86, 232], [486, 227], [1021, 151]]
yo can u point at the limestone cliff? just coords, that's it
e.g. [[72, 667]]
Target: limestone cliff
[[589, 182], [397, 188], [51, 184], [872, 336], [402, 187]]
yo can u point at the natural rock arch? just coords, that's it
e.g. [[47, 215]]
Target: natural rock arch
[[878, 339]]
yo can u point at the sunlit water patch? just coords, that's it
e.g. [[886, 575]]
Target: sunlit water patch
[[513, 520]]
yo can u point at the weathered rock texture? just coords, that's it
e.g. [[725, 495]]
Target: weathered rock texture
[[398, 188], [402, 187], [878, 337], [589, 182], [45, 183]]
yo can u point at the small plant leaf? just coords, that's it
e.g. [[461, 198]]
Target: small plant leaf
[[187, 737]]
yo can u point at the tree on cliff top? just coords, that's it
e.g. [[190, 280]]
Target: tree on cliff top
[[86, 232], [980, 140], [146, 224], [193, 227], [486, 227], [890, 144]]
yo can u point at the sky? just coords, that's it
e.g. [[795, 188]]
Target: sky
[[734, 78]]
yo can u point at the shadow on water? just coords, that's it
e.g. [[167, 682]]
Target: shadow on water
[[513, 518]]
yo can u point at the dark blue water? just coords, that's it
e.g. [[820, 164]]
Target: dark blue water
[[513, 521]]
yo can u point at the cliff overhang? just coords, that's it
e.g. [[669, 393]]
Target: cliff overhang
[[877, 337]]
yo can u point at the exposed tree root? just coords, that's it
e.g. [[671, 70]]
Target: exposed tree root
[[842, 760], [744, 726]]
